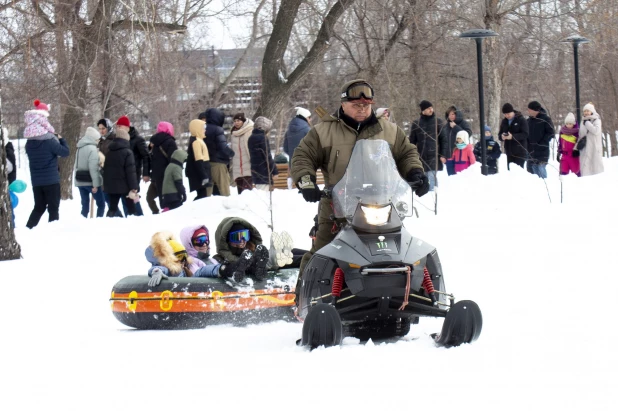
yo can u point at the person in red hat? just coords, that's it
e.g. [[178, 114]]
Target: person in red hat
[[141, 155]]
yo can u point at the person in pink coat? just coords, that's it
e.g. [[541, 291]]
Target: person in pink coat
[[568, 156], [463, 154]]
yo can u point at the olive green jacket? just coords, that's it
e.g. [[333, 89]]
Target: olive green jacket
[[328, 146], [223, 248]]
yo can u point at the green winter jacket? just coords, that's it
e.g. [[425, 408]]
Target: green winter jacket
[[173, 174], [223, 249], [328, 146]]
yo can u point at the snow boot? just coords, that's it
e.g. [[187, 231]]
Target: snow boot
[[258, 264], [236, 270]]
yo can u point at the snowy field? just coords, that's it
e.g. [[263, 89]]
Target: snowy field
[[543, 273]]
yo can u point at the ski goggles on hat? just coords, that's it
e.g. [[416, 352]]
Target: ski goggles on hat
[[358, 91], [201, 241], [237, 237]]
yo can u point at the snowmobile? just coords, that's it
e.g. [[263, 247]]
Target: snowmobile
[[375, 279]]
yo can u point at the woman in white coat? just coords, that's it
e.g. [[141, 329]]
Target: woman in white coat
[[590, 143], [241, 162]]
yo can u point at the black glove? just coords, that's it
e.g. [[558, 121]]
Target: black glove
[[311, 191], [581, 144], [558, 157], [575, 153], [418, 181]]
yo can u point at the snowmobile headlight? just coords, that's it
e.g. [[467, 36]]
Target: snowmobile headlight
[[377, 215]]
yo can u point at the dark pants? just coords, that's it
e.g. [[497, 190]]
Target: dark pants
[[174, 204], [138, 207], [325, 233], [202, 193], [151, 194], [113, 211], [243, 183], [84, 192], [107, 200], [45, 198], [516, 160]]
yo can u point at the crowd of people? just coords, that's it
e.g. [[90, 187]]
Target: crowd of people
[[112, 159]]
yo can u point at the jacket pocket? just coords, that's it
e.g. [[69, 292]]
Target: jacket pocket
[[333, 170]]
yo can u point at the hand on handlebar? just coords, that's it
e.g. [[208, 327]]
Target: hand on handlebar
[[418, 181], [308, 187]]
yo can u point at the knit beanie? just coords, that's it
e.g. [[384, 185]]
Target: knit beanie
[[569, 119], [92, 134], [463, 135], [122, 134], [200, 232], [487, 128], [262, 123], [303, 112], [165, 127], [39, 105], [534, 106], [123, 121], [237, 227], [239, 116], [589, 107], [507, 108], [425, 105]]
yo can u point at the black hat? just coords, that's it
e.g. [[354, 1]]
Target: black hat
[[237, 227], [535, 106], [239, 116], [425, 105], [201, 116], [507, 108]]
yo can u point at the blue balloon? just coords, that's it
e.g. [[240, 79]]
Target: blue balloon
[[14, 199], [18, 186]]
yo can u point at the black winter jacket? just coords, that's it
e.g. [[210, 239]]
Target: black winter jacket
[[518, 145], [163, 146], [423, 135], [10, 155], [140, 152], [263, 166], [451, 132], [540, 132], [119, 176], [215, 140], [493, 154]]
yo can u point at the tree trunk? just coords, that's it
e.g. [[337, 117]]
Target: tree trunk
[[9, 247], [276, 87]]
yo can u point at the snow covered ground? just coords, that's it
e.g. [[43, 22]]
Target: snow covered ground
[[543, 273]]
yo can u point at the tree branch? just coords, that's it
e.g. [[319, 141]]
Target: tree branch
[[145, 25], [15, 49]]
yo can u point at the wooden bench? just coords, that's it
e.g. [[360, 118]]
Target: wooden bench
[[284, 172]]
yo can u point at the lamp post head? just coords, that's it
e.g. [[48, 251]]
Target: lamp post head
[[575, 39], [477, 34]]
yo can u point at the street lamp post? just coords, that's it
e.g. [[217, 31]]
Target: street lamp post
[[576, 40], [478, 35]]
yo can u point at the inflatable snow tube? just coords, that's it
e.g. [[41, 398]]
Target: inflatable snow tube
[[186, 303]]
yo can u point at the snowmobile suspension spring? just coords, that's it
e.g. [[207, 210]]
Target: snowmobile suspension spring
[[428, 284], [337, 282]]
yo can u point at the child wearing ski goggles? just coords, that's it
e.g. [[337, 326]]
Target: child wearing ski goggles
[[201, 241]]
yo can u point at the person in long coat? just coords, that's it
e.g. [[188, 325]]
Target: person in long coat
[[263, 167], [590, 143], [119, 176], [241, 162]]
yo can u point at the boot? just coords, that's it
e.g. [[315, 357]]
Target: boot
[[236, 270], [260, 260]]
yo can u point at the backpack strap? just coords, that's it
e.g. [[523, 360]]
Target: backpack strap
[[163, 152]]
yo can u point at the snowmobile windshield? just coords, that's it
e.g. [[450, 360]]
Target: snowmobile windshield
[[371, 179]]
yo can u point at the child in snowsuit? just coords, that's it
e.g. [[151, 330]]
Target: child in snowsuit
[[567, 156], [173, 191], [493, 152], [463, 154]]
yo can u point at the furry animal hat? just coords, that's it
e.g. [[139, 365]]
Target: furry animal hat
[[169, 252]]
